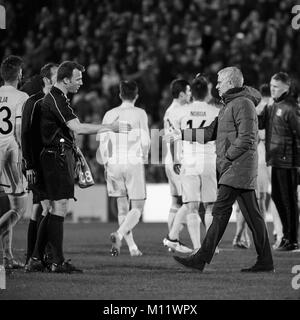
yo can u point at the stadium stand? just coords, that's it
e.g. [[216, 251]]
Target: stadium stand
[[152, 42]]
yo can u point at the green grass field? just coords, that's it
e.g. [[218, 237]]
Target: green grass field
[[155, 275]]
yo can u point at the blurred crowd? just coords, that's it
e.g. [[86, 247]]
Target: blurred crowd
[[151, 42]]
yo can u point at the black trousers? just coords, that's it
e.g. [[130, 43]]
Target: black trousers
[[222, 210], [284, 195]]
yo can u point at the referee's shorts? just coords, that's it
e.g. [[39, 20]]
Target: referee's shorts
[[58, 173], [38, 188]]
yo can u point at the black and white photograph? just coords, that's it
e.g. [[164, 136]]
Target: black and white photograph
[[149, 154]]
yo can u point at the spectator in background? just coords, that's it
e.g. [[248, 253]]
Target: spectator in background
[[282, 123], [153, 42], [264, 172]]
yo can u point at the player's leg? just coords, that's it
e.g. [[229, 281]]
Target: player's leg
[[178, 222], [12, 176], [222, 210], [33, 227], [193, 223], [208, 218], [241, 239], [11, 217], [190, 193], [6, 236], [131, 220], [131, 178], [116, 188], [123, 209], [175, 206], [209, 190], [42, 231], [175, 190], [277, 225]]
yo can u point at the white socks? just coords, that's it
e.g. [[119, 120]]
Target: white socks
[[193, 224], [171, 217], [128, 236], [208, 217], [131, 220], [177, 223]]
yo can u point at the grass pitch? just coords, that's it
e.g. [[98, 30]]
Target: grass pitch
[[154, 276]]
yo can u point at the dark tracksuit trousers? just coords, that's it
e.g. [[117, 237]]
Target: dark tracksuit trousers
[[222, 210], [284, 195]]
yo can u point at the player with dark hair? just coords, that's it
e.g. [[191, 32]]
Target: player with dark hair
[[11, 102], [282, 123], [124, 165], [31, 149], [181, 94], [58, 125], [197, 164]]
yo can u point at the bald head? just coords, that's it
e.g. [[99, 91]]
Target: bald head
[[228, 78]]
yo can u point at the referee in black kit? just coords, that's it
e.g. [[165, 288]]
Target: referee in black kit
[[58, 125], [31, 149]]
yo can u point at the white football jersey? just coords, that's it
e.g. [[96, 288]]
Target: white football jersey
[[169, 118], [11, 103], [121, 148], [191, 116]]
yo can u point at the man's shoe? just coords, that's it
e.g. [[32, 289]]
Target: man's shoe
[[115, 244], [34, 265], [277, 243], [65, 267], [259, 268], [176, 245], [284, 242], [136, 253], [190, 262], [288, 247], [12, 263]]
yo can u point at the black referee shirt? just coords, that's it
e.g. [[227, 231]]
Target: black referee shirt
[[56, 111], [31, 138]]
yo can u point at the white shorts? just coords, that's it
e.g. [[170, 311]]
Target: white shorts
[[126, 180], [174, 181], [11, 177], [200, 187]]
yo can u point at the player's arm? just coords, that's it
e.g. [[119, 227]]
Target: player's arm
[[18, 120], [26, 142], [89, 128], [201, 135], [18, 129], [145, 136], [175, 146]]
